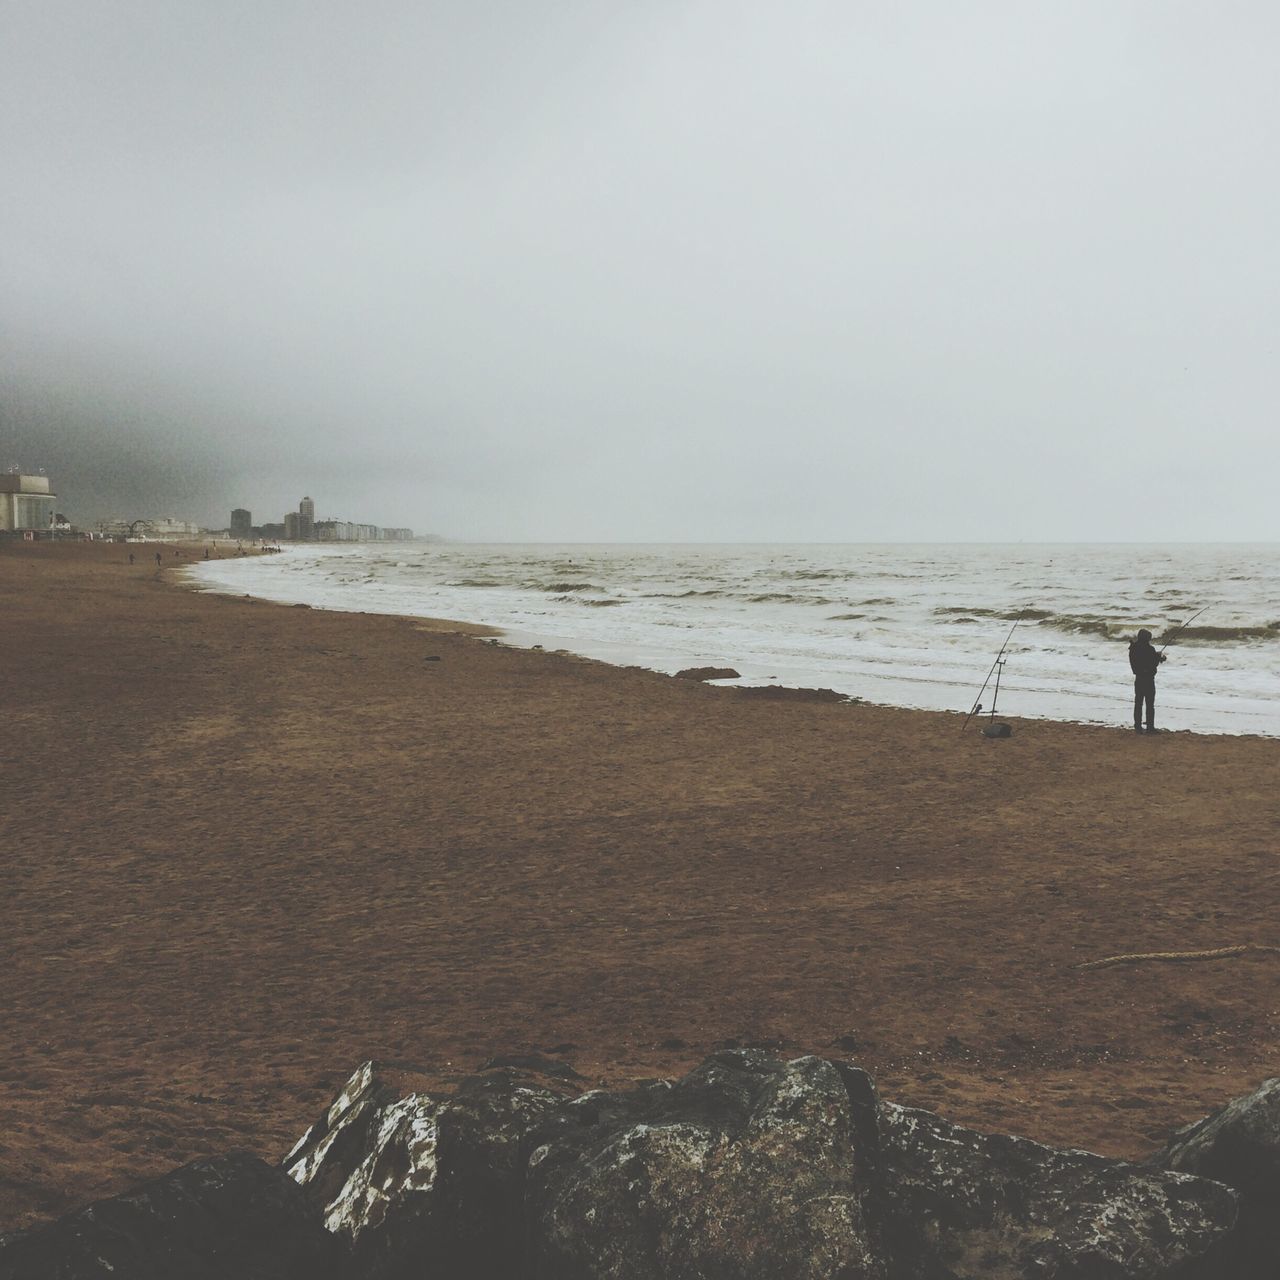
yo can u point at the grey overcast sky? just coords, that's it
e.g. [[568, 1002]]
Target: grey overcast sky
[[558, 270]]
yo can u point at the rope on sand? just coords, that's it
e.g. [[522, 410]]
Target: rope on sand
[[1217, 953]]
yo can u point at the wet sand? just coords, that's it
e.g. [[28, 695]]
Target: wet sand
[[247, 846]]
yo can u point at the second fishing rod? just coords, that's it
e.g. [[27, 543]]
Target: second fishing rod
[[996, 669]]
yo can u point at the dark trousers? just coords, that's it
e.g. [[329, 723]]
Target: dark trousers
[[1144, 690]]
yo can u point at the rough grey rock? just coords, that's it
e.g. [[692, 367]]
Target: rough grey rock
[[707, 673], [752, 1167], [1240, 1145], [957, 1204], [747, 1167], [227, 1218], [407, 1177]]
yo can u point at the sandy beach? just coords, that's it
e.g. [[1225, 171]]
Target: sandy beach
[[247, 846]]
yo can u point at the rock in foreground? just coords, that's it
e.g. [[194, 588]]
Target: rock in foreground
[[408, 1179], [964, 1204], [748, 1167], [227, 1218], [1240, 1145]]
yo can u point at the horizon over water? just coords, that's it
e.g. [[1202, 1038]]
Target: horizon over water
[[905, 624]]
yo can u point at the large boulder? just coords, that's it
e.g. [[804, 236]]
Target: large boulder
[[1240, 1145], [747, 1167], [752, 1167], [961, 1205], [407, 1177], [231, 1217]]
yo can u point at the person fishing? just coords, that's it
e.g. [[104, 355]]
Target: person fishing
[[1144, 662]]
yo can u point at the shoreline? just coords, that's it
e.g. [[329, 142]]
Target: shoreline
[[259, 845], [532, 641]]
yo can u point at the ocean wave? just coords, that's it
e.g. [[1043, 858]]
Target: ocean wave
[[785, 597], [476, 582], [845, 617], [683, 595], [1220, 635], [1113, 629], [593, 604], [1092, 625], [560, 588], [1005, 615]]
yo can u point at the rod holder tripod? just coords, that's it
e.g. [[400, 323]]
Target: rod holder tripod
[[994, 729]]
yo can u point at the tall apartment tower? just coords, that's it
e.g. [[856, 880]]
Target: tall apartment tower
[[241, 523], [306, 520]]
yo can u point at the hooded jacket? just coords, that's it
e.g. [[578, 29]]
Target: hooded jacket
[[1143, 659]]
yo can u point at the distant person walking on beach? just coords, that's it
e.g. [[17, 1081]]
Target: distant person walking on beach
[[130, 557], [157, 559], [1144, 661]]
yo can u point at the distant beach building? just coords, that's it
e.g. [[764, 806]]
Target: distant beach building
[[241, 523], [335, 531], [27, 503], [172, 527], [149, 527], [301, 528], [346, 531]]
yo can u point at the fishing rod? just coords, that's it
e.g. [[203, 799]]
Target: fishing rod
[[1188, 622], [995, 668]]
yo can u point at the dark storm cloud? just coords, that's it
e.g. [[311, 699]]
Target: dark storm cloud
[[663, 271]]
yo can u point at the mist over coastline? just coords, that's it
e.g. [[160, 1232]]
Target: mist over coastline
[[701, 272]]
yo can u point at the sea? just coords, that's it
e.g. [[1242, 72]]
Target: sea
[[903, 625]]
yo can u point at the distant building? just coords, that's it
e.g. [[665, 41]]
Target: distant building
[[302, 526], [27, 503], [241, 523], [172, 527], [271, 532], [306, 520], [346, 531], [334, 531]]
